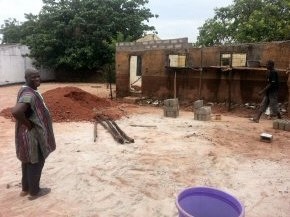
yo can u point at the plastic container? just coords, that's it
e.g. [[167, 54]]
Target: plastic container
[[208, 202]]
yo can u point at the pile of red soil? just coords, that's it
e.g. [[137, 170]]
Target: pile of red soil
[[74, 104]]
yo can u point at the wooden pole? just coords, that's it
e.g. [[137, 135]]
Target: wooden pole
[[230, 74], [288, 84], [111, 91], [174, 84], [200, 75], [230, 90]]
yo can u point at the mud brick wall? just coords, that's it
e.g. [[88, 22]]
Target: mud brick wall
[[154, 57], [212, 83], [122, 74]]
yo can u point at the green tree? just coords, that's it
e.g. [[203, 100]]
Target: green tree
[[247, 21], [11, 31], [81, 34]]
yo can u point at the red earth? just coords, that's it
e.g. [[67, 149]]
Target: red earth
[[103, 178], [74, 104]]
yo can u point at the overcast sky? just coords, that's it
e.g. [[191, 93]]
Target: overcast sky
[[177, 18]]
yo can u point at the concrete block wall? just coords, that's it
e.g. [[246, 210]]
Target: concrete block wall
[[153, 45], [14, 61]]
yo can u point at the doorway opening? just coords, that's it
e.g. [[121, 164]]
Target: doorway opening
[[135, 74]]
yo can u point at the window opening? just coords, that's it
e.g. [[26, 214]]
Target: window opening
[[177, 60], [233, 59], [239, 59], [225, 59]]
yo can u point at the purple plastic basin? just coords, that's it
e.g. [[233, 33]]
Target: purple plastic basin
[[208, 202]]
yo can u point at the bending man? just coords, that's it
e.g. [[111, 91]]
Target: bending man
[[270, 93]]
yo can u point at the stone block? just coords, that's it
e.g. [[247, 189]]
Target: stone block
[[197, 104], [202, 117], [205, 110], [276, 124], [281, 125], [287, 126], [173, 114], [171, 103], [171, 109], [205, 117]]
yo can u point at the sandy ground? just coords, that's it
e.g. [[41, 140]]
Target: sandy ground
[[104, 178]]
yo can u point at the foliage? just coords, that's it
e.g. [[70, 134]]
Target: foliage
[[81, 34], [10, 31], [247, 21]]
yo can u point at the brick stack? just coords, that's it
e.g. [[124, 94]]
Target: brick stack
[[171, 108], [201, 113], [281, 124]]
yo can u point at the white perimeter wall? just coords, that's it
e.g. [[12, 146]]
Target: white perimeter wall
[[13, 63]]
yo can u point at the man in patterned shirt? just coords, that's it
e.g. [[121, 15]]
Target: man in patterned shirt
[[34, 138]]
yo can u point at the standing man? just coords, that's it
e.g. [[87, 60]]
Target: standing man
[[270, 94], [34, 136]]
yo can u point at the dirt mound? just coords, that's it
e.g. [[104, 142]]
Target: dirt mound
[[74, 104]]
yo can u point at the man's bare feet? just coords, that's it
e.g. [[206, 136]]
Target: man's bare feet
[[42, 192], [23, 193]]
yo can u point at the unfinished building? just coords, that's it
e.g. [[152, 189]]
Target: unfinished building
[[176, 69]]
